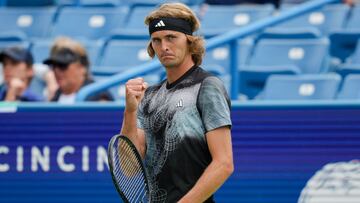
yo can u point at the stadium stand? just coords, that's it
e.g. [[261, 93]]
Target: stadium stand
[[8, 39], [32, 3], [309, 55], [230, 17], [96, 22], [89, 22], [35, 22], [286, 33], [343, 41], [355, 57], [122, 54], [293, 56], [135, 21], [221, 55], [350, 87], [302, 87], [41, 49], [352, 64], [97, 3], [326, 19]]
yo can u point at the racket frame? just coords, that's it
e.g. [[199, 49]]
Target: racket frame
[[138, 159]]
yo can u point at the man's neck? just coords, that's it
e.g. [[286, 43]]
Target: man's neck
[[174, 73]]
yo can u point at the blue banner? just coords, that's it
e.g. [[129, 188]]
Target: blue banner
[[282, 153]]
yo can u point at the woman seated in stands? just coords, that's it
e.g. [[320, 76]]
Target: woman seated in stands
[[70, 63]]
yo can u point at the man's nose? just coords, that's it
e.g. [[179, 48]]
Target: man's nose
[[164, 46]]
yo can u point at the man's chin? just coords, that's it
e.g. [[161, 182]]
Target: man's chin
[[168, 63]]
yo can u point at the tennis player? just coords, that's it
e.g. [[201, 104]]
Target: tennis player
[[181, 126]]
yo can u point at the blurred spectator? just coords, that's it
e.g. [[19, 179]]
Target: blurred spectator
[[70, 63], [18, 73]]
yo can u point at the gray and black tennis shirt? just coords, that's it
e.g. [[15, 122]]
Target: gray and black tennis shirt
[[175, 118]]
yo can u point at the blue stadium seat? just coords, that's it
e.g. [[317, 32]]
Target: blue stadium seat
[[352, 65], [355, 57], [34, 22], [346, 69], [67, 3], [327, 19], [302, 87], [353, 22], [31, 3], [157, 2], [123, 54], [8, 39], [99, 3], [135, 20], [89, 22], [41, 49], [343, 41], [281, 56], [252, 78], [286, 33], [309, 55], [217, 19], [221, 55], [351, 87]]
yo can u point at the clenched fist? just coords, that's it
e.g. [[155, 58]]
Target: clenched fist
[[135, 89]]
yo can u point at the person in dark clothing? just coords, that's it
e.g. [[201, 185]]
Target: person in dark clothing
[[70, 63], [18, 73]]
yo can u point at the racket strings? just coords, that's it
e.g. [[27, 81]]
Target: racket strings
[[128, 172]]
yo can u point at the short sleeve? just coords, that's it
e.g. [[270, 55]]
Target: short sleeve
[[214, 104]]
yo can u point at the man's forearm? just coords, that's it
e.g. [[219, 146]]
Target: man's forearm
[[211, 180], [130, 130], [129, 127]]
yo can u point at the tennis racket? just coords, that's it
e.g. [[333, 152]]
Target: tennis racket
[[128, 171]]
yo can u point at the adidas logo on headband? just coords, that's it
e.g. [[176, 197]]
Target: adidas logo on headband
[[160, 24], [175, 24]]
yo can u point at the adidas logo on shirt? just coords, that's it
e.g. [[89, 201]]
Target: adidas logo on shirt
[[180, 103], [160, 24]]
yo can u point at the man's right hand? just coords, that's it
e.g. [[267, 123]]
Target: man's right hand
[[135, 89], [15, 89]]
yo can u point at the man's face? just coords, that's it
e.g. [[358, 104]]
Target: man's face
[[171, 47], [70, 77], [15, 69]]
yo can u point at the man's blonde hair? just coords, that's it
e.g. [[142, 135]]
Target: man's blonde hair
[[179, 10]]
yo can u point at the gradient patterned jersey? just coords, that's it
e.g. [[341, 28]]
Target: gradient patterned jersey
[[175, 118]]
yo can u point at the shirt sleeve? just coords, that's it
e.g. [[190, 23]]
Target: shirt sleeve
[[214, 104]]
